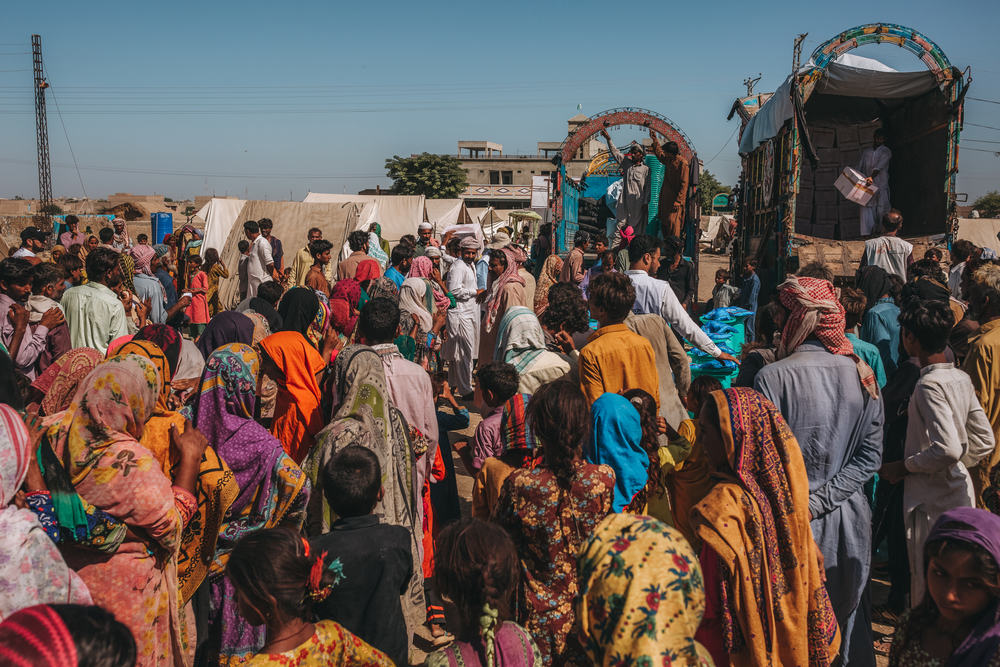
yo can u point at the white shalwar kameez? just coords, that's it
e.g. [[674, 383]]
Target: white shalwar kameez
[[463, 327], [878, 205]]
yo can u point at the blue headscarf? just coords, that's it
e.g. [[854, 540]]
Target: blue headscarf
[[617, 441]]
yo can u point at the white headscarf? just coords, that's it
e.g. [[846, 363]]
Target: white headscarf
[[411, 299]]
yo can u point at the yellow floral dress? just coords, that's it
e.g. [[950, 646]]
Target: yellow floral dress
[[330, 646]]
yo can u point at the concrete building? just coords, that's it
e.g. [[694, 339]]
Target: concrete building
[[504, 181]]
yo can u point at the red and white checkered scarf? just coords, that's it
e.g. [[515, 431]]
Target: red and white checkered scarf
[[816, 310]]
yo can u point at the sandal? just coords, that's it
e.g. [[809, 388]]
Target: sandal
[[884, 615]]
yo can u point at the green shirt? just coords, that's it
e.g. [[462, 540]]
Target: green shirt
[[870, 355], [95, 316]]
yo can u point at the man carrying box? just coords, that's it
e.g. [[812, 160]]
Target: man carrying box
[[874, 167]]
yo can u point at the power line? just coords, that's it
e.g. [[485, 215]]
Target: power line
[[68, 143], [981, 150], [981, 141], [979, 99], [985, 126], [723, 148]]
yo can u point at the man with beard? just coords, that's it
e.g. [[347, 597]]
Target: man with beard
[[94, 313], [633, 204], [47, 287], [463, 320], [424, 240], [24, 344]]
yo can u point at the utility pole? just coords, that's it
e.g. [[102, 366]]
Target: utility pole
[[44, 217], [750, 82]]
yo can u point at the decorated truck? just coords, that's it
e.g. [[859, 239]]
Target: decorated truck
[[820, 120]]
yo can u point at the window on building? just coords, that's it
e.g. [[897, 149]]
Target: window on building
[[507, 177], [532, 172], [494, 177], [546, 173]]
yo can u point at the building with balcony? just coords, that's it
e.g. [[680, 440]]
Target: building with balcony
[[504, 181]]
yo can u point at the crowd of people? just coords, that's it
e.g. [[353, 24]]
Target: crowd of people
[[273, 481]]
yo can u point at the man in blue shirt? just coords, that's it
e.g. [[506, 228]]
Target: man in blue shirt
[[400, 260], [748, 296]]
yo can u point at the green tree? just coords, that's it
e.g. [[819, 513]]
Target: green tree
[[51, 209], [433, 176], [988, 205], [708, 187]]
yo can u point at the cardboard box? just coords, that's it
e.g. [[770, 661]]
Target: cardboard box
[[850, 157], [826, 177], [848, 137], [850, 230], [803, 228], [805, 198], [827, 215], [828, 157], [827, 197], [849, 210], [824, 231], [823, 137], [853, 186]]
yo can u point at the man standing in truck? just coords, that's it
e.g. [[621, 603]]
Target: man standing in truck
[[673, 192], [633, 204], [875, 167]]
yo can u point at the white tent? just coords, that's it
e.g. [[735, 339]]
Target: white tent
[[219, 215], [398, 214], [292, 221], [367, 214], [444, 212]]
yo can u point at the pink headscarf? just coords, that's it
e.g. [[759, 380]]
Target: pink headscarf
[[423, 267], [143, 256], [495, 290]]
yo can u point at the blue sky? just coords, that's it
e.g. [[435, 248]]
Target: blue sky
[[315, 95]]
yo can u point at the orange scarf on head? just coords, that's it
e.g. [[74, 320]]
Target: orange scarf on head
[[298, 417]]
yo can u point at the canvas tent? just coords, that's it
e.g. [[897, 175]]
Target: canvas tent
[[445, 212], [398, 215], [292, 221], [219, 216], [980, 231]]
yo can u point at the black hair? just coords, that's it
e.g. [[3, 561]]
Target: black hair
[[72, 219], [700, 389], [601, 238], [934, 253], [270, 291], [351, 481], [926, 268], [500, 378], [892, 221], [476, 564], [100, 262], [45, 274], [855, 305], [273, 563], [559, 417], [567, 309], [314, 230], [607, 259], [16, 271], [614, 294], [818, 270], [400, 254], [408, 239], [896, 291], [251, 226], [962, 249], [101, 640], [357, 240], [10, 392], [641, 245], [581, 239], [379, 321], [645, 405], [930, 322], [243, 245], [722, 273], [106, 235], [317, 248], [265, 223], [672, 148], [767, 327], [501, 257], [70, 262], [194, 259], [752, 263], [142, 237]]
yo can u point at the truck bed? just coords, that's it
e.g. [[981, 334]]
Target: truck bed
[[844, 257]]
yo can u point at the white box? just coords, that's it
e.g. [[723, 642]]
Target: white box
[[854, 186]]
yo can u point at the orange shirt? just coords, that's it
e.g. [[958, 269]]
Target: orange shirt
[[614, 360]]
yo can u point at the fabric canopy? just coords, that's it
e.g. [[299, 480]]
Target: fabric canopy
[[444, 212], [980, 231], [219, 215], [398, 214], [292, 221], [848, 76]]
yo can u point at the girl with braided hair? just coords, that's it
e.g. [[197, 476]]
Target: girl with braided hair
[[277, 578], [549, 511], [476, 568]]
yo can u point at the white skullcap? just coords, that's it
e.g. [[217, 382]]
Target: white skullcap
[[424, 225]]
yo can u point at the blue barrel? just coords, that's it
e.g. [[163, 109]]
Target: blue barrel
[[162, 224]]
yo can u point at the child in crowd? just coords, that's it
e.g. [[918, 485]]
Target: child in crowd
[[72, 266], [947, 433], [431, 528], [375, 557], [854, 303], [498, 381], [278, 578], [517, 450], [723, 293], [477, 569], [615, 359], [244, 247], [47, 287], [444, 495], [956, 623], [28, 343], [198, 310], [143, 239], [934, 254], [666, 459]]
